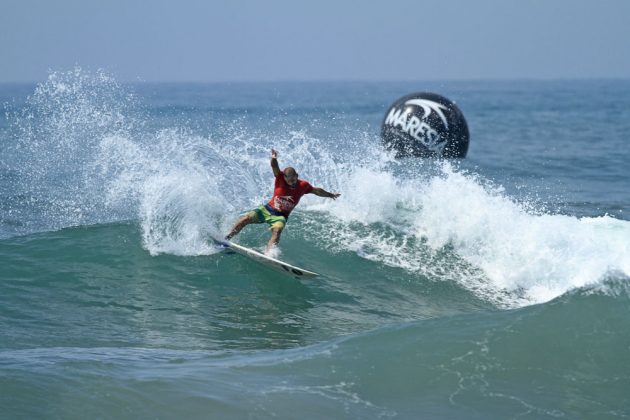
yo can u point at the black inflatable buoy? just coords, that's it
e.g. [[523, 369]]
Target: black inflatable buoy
[[425, 124]]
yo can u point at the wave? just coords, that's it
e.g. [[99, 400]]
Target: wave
[[86, 153], [564, 358]]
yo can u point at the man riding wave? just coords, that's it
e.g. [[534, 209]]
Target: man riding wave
[[288, 189]]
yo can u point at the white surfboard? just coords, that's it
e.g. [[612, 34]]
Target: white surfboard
[[270, 262]]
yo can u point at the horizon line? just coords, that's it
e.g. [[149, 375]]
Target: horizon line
[[344, 80]]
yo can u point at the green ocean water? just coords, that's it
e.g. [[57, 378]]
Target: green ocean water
[[95, 326], [494, 287]]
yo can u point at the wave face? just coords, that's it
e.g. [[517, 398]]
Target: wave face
[[494, 286]]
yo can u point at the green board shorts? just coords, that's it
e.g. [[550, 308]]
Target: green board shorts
[[262, 215]]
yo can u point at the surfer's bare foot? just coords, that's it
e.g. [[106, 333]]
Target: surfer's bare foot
[[273, 252]]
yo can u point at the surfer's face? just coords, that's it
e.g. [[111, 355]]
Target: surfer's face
[[291, 178]]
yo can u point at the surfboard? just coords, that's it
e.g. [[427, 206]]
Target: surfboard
[[265, 260]]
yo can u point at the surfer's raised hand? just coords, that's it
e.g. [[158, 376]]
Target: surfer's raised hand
[[274, 163]]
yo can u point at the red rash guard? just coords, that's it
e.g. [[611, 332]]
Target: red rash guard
[[286, 198]]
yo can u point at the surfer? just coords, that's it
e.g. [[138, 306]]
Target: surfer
[[288, 189]]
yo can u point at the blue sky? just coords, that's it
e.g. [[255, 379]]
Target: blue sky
[[270, 40]]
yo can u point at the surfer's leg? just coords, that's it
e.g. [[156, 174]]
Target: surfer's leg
[[243, 221], [275, 237]]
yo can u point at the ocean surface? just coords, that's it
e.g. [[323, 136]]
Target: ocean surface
[[493, 287]]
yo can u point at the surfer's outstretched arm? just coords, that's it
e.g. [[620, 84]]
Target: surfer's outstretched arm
[[274, 163], [323, 193]]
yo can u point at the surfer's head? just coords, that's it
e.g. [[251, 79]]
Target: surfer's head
[[290, 176]]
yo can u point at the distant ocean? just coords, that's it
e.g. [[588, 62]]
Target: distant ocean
[[495, 287]]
